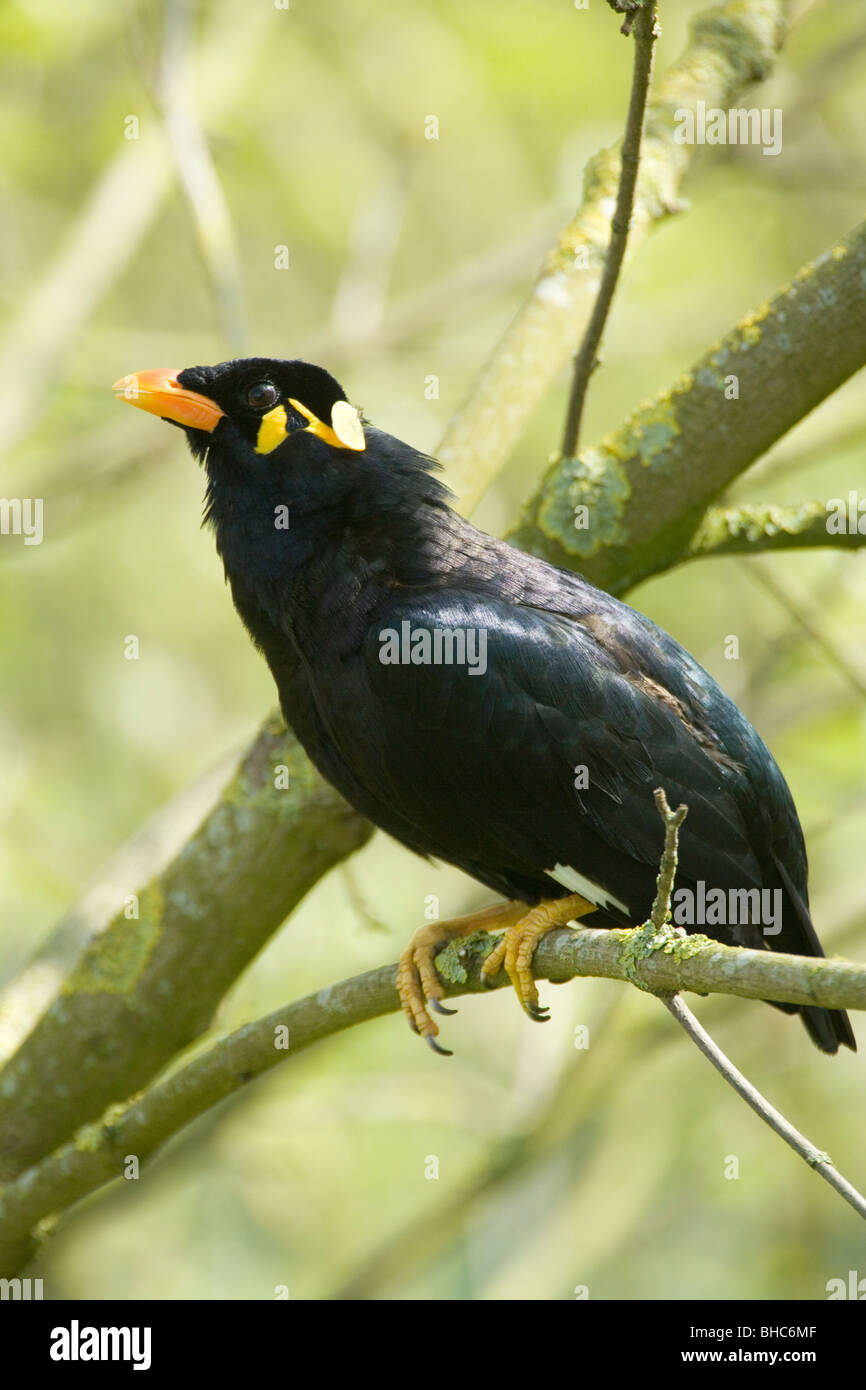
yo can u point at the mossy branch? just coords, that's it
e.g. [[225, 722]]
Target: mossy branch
[[147, 984], [671, 820], [750, 528], [646, 487], [666, 965]]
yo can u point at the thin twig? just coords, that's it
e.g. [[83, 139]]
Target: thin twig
[[816, 1158], [668, 864], [585, 361], [799, 1143]]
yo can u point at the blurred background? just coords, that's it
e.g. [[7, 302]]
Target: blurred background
[[126, 245]]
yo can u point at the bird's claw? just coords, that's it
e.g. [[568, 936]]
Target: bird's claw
[[421, 990], [539, 1012], [514, 952], [440, 1008]]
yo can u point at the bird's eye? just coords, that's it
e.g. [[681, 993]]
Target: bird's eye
[[263, 395]]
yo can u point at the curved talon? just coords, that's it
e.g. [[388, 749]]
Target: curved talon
[[540, 1013], [518, 944], [440, 1008], [437, 1047]]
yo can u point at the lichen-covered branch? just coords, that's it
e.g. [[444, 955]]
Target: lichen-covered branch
[[149, 983], [97, 1153], [750, 528], [632, 505], [731, 45]]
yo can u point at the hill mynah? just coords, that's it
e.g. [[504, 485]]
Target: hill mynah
[[477, 703]]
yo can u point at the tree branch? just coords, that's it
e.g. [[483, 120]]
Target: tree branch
[[750, 528], [647, 486], [146, 985], [662, 964], [586, 360], [672, 820]]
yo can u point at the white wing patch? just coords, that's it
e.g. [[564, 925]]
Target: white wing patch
[[569, 878]]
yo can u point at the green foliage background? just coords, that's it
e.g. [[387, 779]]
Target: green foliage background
[[557, 1167]]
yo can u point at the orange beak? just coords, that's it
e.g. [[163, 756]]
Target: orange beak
[[158, 392]]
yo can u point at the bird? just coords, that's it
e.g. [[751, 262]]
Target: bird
[[480, 705]]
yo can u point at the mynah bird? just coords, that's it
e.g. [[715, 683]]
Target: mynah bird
[[480, 705]]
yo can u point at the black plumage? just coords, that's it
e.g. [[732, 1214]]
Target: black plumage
[[327, 547]]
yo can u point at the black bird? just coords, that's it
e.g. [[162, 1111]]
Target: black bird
[[477, 703]]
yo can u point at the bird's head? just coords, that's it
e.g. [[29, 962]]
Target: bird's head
[[279, 442], [278, 436], [253, 409]]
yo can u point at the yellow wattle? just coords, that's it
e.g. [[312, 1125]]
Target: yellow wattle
[[272, 430]]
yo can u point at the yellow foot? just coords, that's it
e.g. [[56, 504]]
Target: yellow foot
[[517, 947], [417, 982]]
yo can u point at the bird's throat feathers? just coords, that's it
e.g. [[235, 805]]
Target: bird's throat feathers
[[315, 515]]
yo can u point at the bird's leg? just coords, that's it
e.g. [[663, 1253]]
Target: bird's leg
[[517, 947], [417, 982]]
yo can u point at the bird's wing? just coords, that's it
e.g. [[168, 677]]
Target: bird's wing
[[488, 763]]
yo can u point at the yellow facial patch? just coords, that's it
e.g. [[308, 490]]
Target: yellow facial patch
[[272, 430], [345, 430]]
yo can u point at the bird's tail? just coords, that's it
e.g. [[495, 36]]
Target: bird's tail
[[826, 1027]]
